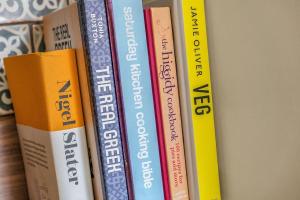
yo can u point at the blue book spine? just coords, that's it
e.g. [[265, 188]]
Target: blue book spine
[[94, 28], [137, 96]]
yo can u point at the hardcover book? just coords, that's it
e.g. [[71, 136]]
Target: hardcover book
[[88, 34], [134, 73], [50, 124], [164, 75], [119, 102]]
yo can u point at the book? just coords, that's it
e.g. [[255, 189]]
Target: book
[[119, 101], [134, 73], [199, 92], [50, 124], [84, 27], [157, 103], [164, 75]]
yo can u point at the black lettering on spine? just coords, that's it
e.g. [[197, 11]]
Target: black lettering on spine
[[70, 141], [63, 105], [202, 100], [62, 37]]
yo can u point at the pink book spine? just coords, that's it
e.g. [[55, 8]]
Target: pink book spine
[[170, 116], [157, 106]]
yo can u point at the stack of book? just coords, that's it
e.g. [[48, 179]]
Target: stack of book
[[120, 104]]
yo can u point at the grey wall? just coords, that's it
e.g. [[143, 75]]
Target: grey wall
[[255, 62]]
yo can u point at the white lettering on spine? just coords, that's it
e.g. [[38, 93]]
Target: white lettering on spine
[[108, 120], [97, 27], [137, 91]]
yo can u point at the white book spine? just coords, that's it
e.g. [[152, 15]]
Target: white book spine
[[56, 163]]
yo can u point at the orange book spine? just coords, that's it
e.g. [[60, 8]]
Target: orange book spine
[[169, 101], [47, 103]]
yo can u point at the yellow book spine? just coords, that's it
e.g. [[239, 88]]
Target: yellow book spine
[[200, 92]]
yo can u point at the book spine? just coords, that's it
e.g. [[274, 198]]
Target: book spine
[[52, 137], [97, 46], [131, 48], [166, 74], [157, 103], [119, 100], [200, 92]]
